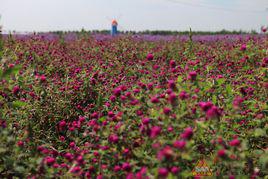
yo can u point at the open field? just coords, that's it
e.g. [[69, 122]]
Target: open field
[[133, 106]]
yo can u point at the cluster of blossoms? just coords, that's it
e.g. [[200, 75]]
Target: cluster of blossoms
[[131, 107]]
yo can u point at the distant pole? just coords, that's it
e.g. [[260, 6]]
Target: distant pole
[[114, 28]]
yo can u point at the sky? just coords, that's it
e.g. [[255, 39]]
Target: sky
[[138, 15]]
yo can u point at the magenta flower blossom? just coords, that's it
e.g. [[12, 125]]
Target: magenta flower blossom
[[76, 169], [192, 75], [155, 131], [183, 95], [117, 168], [172, 98], [187, 133], [166, 110], [172, 84], [172, 63], [111, 114], [222, 153], [62, 124], [237, 103], [234, 142], [155, 100], [43, 78], [11, 65], [175, 170], [150, 57], [117, 92], [15, 90], [20, 143], [243, 47], [113, 138], [49, 161], [165, 153], [213, 112], [126, 166], [205, 105], [163, 172], [180, 144], [145, 121]]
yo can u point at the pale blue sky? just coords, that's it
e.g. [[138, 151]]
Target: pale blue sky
[[44, 15]]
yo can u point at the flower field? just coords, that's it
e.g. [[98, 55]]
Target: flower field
[[133, 106]]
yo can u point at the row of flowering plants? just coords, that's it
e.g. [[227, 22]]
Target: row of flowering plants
[[132, 108]]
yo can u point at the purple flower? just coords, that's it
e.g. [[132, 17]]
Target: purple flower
[[150, 57], [163, 172], [126, 166], [187, 133], [155, 131], [154, 100], [192, 75], [234, 142], [180, 144]]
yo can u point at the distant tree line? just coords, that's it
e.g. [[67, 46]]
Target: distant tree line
[[158, 32]]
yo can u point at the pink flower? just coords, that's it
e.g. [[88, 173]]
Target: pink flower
[[172, 98], [150, 57], [126, 166], [165, 153], [192, 75], [264, 29], [243, 47], [222, 153], [172, 63], [16, 90], [175, 170], [205, 106], [180, 144], [113, 138], [145, 121], [187, 133], [20, 143], [117, 168], [68, 156], [72, 144], [172, 84], [183, 95], [163, 172], [238, 102], [234, 142], [166, 110], [155, 131], [76, 169], [154, 100], [42, 78], [117, 92], [111, 114], [213, 112], [142, 173], [11, 65], [62, 124], [113, 98], [49, 161]]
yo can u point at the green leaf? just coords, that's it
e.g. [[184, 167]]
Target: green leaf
[[102, 119], [180, 79], [220, 81], [259, 132], [11, 71], [214, 99], [229, 90], [18, 104]]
